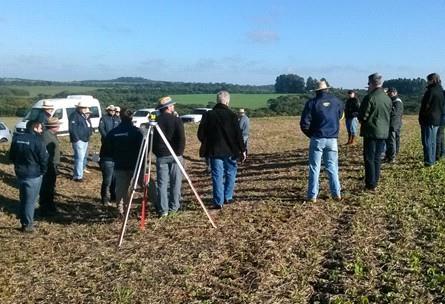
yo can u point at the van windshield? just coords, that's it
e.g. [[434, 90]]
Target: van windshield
[[33, 114], [141, 113]]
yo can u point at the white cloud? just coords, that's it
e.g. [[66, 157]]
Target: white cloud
[[263, 37]]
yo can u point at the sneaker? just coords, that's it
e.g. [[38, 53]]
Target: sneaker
[[27, 229], [163, 215]]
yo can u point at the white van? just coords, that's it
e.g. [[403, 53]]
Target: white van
[[63, 107]]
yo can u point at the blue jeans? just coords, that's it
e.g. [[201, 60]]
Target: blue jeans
[[168, 173], [223, 178], [372, 152], [29, 190], [428, 135], [80, 153], [351, 125], [325, 148], [108, 188]]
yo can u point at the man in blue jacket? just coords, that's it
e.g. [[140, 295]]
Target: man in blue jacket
[[122, 144], [80, 131], [320, 121], [30, 158]]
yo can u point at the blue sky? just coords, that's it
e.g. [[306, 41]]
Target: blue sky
[[244, 42]]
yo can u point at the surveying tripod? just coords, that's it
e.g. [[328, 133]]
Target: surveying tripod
[[145, 153]]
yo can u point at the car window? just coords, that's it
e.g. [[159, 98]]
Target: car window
[[33, 114], [94, 112], [141, 113], [2, 126], [70, 111], [58, 113]]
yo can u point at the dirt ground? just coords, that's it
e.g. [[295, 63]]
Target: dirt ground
[[269, 247]]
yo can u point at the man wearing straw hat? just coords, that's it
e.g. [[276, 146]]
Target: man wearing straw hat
[[80, 132], [320, 121], [46, 201], [167, 170], [46, 112], [107, 122]]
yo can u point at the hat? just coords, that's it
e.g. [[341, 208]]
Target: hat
[[88, 111], [47, 105], [117, 109], [241, 111], [165, 102], [392, 90], [83, 104], [322, 85], [52, 122], [110, 108], [375, 78]]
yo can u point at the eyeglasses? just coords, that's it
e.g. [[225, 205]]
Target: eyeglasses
[[117, 111]]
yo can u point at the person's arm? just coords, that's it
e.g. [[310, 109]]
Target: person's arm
[[102, 130], [73, 127], [202, 129], [43, 156], [364, 110], [180, 136], [306, 118]]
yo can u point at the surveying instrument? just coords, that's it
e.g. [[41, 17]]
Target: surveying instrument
[[144, 161]]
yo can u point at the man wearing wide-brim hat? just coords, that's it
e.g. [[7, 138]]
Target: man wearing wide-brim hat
[[80, 130], [320, 121], [46, 112], [49, 137], [168, 172]]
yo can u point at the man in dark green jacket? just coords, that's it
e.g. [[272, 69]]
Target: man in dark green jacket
[[374, 116], [46, 201]]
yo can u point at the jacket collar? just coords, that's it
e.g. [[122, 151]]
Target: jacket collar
[[220, 106]]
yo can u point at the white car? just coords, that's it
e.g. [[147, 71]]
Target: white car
[[141, 116], [5, 133], [196, 115]]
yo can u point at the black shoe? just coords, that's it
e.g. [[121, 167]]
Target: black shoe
[[79, 180], [230, 201], [216, 207]]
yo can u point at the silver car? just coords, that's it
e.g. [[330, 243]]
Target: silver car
[[5, 133]]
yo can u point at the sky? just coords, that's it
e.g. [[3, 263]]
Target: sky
[[242, 42]]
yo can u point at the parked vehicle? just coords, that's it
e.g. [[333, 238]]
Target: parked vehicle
[[63, 107], [141, 116], [5, 133], [195, 116]]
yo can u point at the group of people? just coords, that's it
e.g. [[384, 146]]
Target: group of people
[[380, 117], [224, 140]]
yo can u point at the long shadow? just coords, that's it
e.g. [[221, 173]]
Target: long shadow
[[4, 157]]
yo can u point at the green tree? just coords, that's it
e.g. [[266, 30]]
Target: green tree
[[289, 83]]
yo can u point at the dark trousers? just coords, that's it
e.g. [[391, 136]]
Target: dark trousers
[[372, 151], [440, 143], [47, 190], [108, 188], [392, 145]]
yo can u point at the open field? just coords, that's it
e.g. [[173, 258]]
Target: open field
[[269, 247], [250, 101]]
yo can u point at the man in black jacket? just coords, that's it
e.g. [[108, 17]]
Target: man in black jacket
[[122, 144], [395, 124], [107, 122], [28, 153], [80, 131], [167, 170], [430, 116], [222, 142], [46, 200]]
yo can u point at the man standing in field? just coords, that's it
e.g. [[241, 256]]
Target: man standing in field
[[244, 124], [222, 142], [351, 112], [168, 172], [28, 153], [374, 116], [122, 144], [430, 116], [320, 121], [80, 131], [393, 141], [46, 200], [45, 113]]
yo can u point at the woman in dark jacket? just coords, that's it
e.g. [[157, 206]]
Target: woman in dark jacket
[[430, 115]]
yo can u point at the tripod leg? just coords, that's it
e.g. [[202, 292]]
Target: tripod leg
[[147, 167], [134, 181], [185, 174]]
